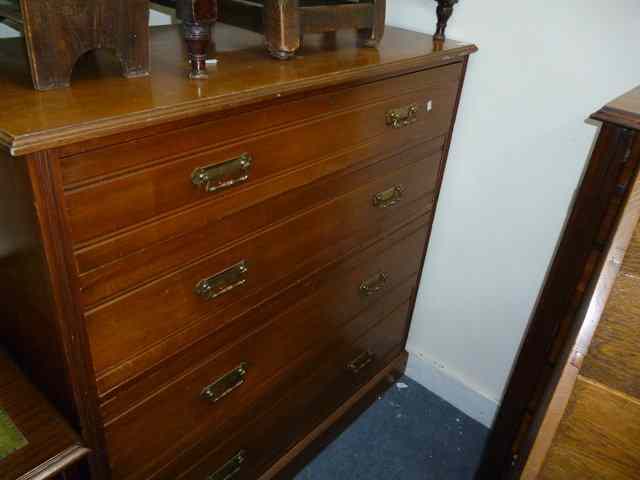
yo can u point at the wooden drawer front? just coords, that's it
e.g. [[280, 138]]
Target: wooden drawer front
[[81, 168], [339, 309], [305, 405], [121, 328], [198, 233], [144, 194], [118, 396]]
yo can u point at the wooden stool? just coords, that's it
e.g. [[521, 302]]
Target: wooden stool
[[58, 33], [284, 22]]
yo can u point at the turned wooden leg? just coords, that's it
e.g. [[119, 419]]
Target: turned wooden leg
[[444, 12], [197, 17], [372, 37], [282, 30]]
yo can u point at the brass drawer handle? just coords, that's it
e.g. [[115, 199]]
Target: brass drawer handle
[[223, 282], [223, 175], [402, 117], [374, 284], [225, 384], [229, 469], [361, 361], [388, 198]]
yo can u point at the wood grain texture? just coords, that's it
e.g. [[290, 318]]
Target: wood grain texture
[[324, 232], [158, 190], [614, 354], [71, 366], [126, 261], [336, 311], [306, 405], [110, 156], [118, 400], [32, 120], [23, 279], [599, 436], [630, 259], [52, 444]]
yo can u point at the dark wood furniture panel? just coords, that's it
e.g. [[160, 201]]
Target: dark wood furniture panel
[[556, 320], [590, 429], [352, 146], [50, 447]]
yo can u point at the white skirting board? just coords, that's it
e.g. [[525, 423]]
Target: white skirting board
[[436, 378]]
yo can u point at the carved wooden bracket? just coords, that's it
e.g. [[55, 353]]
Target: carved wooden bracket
[[444, 11]]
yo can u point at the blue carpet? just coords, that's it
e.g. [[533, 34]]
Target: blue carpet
[[407, 434]]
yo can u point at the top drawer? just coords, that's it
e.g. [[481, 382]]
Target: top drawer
[[138, 181]]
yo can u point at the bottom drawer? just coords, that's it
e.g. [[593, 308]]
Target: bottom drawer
[[349, 365]]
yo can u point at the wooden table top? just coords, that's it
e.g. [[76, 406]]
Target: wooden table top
[[101, 102], [50, 445], [624, 110]]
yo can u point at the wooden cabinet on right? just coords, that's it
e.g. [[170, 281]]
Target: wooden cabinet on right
[[591, 426]]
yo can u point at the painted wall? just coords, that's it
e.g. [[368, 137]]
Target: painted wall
[[7, 32], [519, 148]]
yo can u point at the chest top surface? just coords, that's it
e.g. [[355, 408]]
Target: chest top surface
[[101, 102]]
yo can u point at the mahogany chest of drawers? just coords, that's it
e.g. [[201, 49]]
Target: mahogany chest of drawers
[[206, 276]]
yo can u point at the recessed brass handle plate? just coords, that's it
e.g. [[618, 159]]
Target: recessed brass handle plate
[[229, 469], [361, 361], [223, 175], [374, 284], [223, 282], [402, 117], [225, 384], [388, 198]]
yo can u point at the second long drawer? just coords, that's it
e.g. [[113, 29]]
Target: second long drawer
[[138, 324], [237, 379]]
